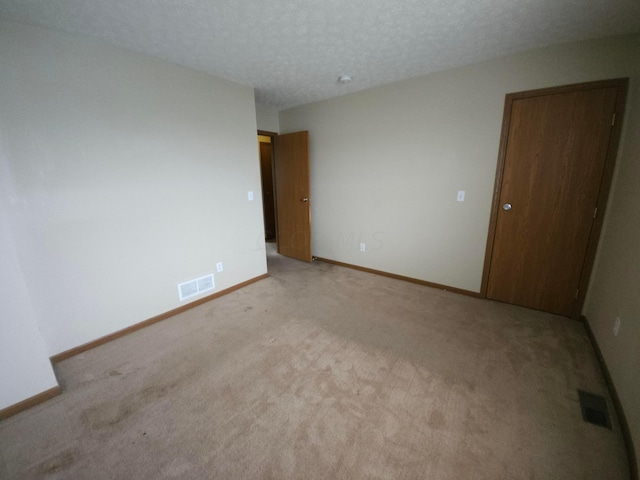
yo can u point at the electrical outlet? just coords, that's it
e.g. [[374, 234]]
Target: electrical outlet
[[616, 327], [219, 267], [362, 247]]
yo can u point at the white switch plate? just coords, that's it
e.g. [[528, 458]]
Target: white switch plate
[[250, 196], [362, 247], [219, 266], [461, 195]]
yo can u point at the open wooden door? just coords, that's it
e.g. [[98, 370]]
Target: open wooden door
[[557, 153], [292, 195]]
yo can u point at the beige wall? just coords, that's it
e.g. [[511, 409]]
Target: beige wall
[[25, 369], [386, 165], [267, 118], [615, 283], [130, 175]]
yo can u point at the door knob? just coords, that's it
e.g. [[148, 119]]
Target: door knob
[[506, 206], [305, 199]]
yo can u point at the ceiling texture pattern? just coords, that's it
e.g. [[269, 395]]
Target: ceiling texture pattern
[[292, 52]]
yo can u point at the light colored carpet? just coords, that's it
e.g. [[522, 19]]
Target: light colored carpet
[[325, 372]]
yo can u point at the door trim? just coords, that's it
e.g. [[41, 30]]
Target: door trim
[[621, 85]]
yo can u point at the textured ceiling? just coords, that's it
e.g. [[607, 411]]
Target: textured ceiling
[[293, 52]]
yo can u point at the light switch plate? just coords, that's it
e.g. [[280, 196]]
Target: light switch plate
[[461, 195], [250, 196]]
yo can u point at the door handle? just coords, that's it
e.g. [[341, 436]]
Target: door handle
[[506, 207], [305, 199]]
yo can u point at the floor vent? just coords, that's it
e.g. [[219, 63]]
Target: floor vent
[[594, 409], [195, 287]]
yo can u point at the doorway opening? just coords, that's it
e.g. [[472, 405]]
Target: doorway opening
[[266, 141], [284, 163]]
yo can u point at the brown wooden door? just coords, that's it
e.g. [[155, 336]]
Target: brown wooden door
[[292, 195], [268, 205], [556, 152]]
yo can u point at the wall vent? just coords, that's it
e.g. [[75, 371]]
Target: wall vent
[[196, 286]]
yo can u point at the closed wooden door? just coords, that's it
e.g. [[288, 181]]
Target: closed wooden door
[[557, 148], [292, 195]]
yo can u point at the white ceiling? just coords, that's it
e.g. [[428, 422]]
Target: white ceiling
[[293, 52]]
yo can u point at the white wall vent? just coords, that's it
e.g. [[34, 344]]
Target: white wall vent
[[195, 287]]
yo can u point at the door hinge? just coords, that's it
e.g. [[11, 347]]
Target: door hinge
[[577, 292], [613, 120], [595, 212]]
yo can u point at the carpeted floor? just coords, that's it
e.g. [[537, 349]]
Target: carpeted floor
[[325, 372]]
